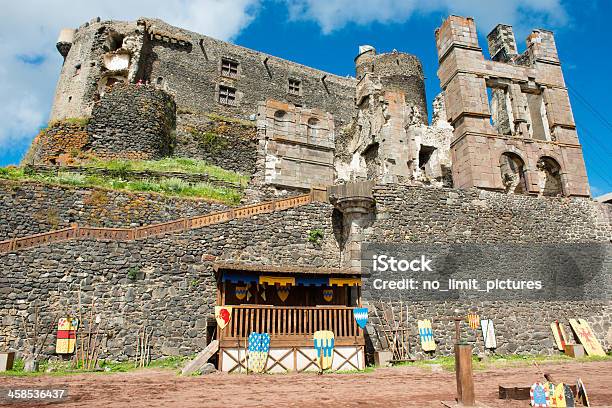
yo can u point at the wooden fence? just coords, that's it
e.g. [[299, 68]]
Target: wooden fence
[[290, 321]]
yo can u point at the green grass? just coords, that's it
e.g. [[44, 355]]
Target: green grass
[[63, 368], [171, 164], [82, 121], [447, 363], [169, 187]]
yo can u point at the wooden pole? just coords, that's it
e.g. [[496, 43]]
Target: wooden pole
[[457, 330], [464, 375]]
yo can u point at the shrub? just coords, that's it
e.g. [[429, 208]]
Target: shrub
[[315, 236]]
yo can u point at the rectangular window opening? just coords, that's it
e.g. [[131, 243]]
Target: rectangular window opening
[[294, 86], [501, 113], [539, 120], [229, 68], [227, 95]]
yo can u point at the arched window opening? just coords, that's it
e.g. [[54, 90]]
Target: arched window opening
[[512, 170], [281, 122], [312, 129], [550, 177]]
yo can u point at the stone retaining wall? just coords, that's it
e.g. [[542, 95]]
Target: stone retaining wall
[[137, 174], [174, 289], [417, 215], [32, 208]]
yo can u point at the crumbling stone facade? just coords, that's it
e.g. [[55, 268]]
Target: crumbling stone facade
[[296, 145], [526, 139], [389, 139], [523, 141]]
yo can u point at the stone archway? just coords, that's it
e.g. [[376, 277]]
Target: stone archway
[[550, 177], [512, 169]]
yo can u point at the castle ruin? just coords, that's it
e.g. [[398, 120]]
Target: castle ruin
[[334, 163]]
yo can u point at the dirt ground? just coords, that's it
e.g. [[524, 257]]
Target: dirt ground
[[386, 387]]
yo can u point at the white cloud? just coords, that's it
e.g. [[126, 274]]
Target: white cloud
[[29, 29], [523, 14]]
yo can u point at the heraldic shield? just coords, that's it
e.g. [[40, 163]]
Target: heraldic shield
[[361, 316], [426, 335], [66, 335], [259, 347], [324, 345]]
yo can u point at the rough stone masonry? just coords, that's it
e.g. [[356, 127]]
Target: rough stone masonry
[[500, 172]]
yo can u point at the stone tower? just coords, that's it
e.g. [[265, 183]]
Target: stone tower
[[391, 119], [513, 123]]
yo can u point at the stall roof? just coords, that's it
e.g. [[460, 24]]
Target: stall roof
[[282, 269]]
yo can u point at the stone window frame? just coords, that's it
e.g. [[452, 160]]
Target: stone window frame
[[294, 86], [227, 95], [229, 68], [313, 128]]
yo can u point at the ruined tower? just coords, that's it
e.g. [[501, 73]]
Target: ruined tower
[[391, 119], [513, 125]]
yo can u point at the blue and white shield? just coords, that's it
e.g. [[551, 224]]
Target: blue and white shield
[[324, 346], [361, 316], [259, 347]]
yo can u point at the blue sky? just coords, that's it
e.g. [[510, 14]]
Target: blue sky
[[321, 33]]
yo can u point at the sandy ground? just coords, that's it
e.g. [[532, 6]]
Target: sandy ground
[[387, 387]]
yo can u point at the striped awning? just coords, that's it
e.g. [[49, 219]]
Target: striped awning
[[277, 280], [236, 277]]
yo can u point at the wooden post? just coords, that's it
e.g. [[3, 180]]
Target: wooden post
[[463, 372], [457, 331]]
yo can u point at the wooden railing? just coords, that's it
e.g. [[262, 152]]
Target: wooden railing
[[290, 321], [127, 234]]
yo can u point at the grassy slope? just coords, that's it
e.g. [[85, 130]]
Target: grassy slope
[[172, 164], [167, 186]]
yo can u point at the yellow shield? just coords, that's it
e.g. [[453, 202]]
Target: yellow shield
[[283, 292], [426, 335], [66, 335], [324, 346], [557, 398], [586, 337], [241, 292], [328, 294]]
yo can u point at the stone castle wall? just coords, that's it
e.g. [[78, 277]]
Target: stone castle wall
[[174, 290], [416, 215], [59, 143], [194, 75], [32, 208], [189, 65], [227, 143], [133, 122]]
